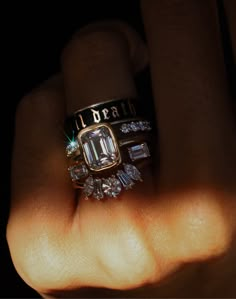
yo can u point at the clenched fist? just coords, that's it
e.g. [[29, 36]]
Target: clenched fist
[[174, 234]]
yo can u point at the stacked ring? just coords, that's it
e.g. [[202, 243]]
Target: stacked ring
[[105, 141]]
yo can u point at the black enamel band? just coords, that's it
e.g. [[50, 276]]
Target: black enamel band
[[105, 112]]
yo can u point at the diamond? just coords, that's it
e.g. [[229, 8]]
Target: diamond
[[125, 128], [147, 125], [134, 126], [125, 180], [133, 172], [111, 186], [142, 126], [72, 147], [139, 151], [88, 186], [78, 171], [100, 148], [98, 193]]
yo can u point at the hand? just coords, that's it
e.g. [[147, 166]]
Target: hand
[[175, 238]]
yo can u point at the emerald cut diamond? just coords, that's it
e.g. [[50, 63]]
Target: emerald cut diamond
[[139, 151], [78, 171], [100, 148]]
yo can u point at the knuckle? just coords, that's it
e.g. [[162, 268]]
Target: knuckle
[[204, 227], [94, 43], [36, 258], [103, 40], [129, 263]]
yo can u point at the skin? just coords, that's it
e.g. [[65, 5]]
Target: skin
[[178, 239]]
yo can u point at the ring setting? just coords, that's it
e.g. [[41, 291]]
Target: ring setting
[[103, 156]]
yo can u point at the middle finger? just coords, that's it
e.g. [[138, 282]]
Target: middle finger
[[194, 111]]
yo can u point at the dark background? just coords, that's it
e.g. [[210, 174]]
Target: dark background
[[34, 35]]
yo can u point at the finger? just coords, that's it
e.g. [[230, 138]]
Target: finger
[[40, 187], [99, 65], [99, 75], [38, 145], [194, 112]]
